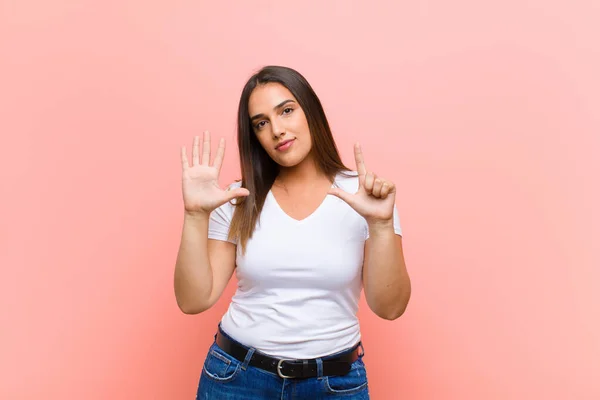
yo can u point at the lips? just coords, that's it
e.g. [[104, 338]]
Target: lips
[[284, 143]]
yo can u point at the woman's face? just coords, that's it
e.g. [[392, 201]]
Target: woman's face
[[279, 124]]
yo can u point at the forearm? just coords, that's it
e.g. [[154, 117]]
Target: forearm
[[387, 284], [193, 274]]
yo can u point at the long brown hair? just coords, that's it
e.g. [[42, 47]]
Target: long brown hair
[[258, 168]]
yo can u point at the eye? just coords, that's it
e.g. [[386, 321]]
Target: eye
[[260, 124], [288, 110]]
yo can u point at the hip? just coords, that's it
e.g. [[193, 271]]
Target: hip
[[228, 377]]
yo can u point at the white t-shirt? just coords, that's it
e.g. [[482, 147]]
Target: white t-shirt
[[299, 282]]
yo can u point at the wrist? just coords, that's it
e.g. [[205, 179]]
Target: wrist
[[380, 226], [196, 215]]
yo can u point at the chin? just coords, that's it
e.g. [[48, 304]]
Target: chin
[[288, 163], [289, 160]]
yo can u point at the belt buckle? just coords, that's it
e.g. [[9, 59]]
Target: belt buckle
[[279, 365]]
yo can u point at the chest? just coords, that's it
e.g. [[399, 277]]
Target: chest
[[300, 204], [325, 249]]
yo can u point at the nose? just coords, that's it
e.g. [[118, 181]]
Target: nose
[[278, 129]]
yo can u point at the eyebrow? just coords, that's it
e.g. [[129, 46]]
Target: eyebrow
[[283, 103]]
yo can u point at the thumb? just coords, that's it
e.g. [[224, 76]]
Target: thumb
[[239, 192], [342, 194]]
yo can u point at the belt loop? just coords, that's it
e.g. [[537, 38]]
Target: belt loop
[[218, 330], [249, 355], [319, 368]]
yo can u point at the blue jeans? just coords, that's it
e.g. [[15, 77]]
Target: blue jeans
[[226, 378]]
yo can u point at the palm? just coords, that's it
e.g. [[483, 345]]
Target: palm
[[200, 181], [201, 191]]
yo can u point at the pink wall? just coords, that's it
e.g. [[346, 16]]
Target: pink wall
[[485, 114]]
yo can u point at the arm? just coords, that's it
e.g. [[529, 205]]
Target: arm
[[203, 267], [385, 278]]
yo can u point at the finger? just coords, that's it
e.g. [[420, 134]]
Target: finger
[[184, 160], [369, 181], [342, 194], [385, 190], [377, 187], [206, 148], [220, 155], [195, 157], [360, 162]]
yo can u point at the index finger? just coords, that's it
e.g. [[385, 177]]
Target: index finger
[[360, 162]]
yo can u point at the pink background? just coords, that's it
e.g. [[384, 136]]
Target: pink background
[[484, 113]]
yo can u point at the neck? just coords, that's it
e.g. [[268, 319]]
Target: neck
[[305, 173]]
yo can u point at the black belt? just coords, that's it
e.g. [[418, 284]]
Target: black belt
[[338, 365]]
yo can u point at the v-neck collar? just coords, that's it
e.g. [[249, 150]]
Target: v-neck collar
[[308, 217]]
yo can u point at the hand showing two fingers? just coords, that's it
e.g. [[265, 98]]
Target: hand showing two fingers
[[375, 197]]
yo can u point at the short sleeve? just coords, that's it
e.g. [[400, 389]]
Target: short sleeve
[[220, 220], [397, 228]]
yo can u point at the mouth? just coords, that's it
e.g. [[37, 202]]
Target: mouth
[[284, 145]]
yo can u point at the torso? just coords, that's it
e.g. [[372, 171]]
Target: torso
[[299, 281]]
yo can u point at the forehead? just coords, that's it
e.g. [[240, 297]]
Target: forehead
[[265, 97]]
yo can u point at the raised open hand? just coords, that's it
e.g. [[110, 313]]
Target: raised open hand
[[375, 197], [200, 181]]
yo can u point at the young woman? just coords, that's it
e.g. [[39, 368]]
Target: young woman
[[304, 234]]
